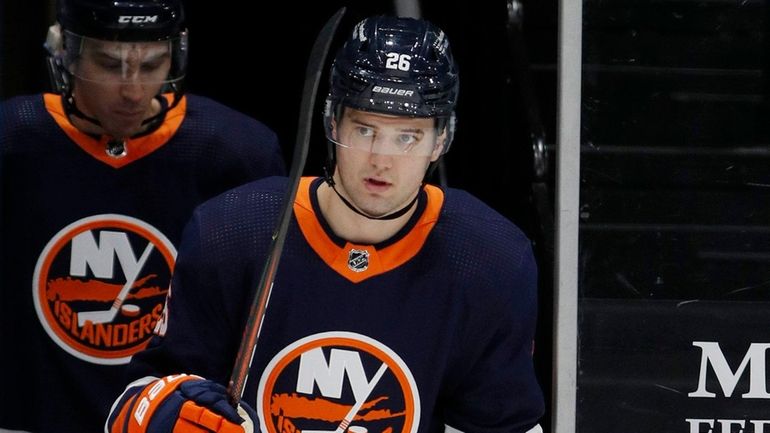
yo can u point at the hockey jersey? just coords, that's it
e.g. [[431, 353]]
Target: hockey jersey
[[432, 327], [89, 243]]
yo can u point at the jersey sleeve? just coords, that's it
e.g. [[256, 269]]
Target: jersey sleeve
[[499, 391]]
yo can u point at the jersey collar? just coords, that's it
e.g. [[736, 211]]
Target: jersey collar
[[357, 262], [138, 147]]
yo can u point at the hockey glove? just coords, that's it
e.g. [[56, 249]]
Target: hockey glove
[[180, 404]]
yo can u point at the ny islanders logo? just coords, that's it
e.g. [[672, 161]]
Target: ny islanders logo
[[337, 382], [99, 286]]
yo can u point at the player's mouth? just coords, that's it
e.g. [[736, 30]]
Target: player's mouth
[[376, 185]]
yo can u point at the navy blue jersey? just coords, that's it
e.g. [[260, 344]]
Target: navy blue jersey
[[89, 243], [431, 327]]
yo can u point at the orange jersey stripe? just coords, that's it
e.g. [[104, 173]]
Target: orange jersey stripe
[[380, 261], [137, 147]]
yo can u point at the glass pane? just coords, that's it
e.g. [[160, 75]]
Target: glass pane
[[674, 282]]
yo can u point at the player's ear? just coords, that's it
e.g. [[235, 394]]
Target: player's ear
[[334, 127], [438, 148]]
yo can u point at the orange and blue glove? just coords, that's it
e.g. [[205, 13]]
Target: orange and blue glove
[[179, 404]]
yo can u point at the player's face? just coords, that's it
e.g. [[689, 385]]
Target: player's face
[[116, 82], [385, 174]]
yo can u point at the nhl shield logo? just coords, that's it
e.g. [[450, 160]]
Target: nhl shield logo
[[358, 260]]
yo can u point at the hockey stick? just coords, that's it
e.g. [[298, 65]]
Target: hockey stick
[[259, 306], [109, 315]]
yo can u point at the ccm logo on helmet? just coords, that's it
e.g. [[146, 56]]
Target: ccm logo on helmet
[[392, 91], [137, 19]]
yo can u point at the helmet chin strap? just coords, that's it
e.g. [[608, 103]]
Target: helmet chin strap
[[391, 216], [117, 146], [72, 109]]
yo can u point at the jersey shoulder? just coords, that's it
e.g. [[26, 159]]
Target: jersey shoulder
[[24, 107], [229, 139], [249, 208], [482, 225], [265, 193], [23, 117], [485, 249], [208, 117]]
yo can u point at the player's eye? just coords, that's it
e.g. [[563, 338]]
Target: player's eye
[[109, 64], [406, 139], [364, 131], [152, 66], [405, 142], [155, 63]]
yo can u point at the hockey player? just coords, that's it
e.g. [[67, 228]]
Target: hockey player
[[98, 181], [397, 306]]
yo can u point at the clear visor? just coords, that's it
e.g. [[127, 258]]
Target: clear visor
[[410, 136], [151, 62]]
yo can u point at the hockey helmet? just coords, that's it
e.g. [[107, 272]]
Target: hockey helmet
[[146, 31], [133, 20], [397, 66]]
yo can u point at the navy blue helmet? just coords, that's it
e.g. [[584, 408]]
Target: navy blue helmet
[[401, 66], [397, 66], [393, 66]]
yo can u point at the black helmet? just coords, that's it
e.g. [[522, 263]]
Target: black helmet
[[121, 22], [401, 66], [134, 20], [117, 21]]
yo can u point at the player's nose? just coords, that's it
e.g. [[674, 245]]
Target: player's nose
[[380, 160], [132, 91]]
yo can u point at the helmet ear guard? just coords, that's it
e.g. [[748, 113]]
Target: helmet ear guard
[[331, 156], [57, 72]]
